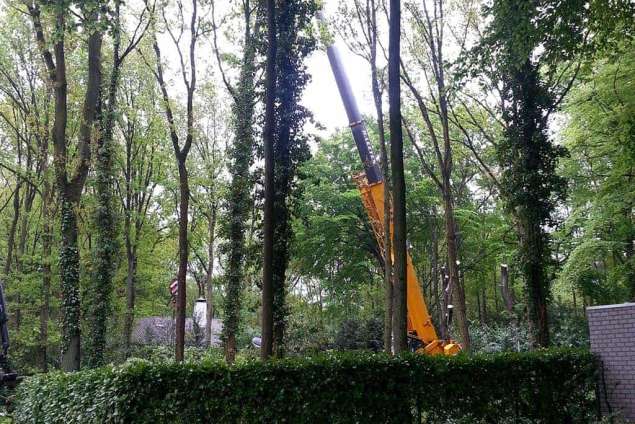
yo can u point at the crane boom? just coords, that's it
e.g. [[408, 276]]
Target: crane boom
[[371, 186]]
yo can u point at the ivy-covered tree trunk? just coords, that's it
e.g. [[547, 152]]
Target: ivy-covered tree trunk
[[70, 187], [241, 158], [269, 221], [291, 149], [106, 243], [530, 185]]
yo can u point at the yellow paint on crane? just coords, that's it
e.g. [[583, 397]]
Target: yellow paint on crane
[[419, 321]]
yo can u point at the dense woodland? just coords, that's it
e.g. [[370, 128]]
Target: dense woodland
[[149, 141]]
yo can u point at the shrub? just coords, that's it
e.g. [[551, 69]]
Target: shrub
[[546, 387], [356, 334]]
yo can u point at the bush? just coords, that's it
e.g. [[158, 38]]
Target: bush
[[545, 387], [355, 334]]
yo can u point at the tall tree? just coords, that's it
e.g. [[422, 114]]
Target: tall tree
[[106, 240], [295, 42], [400, 308], [530, 54], [188, 74], [240, 160], [430, 22], [70, 187], [268, 218], [142, 132]]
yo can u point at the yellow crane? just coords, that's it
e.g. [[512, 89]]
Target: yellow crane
[[371, 187]]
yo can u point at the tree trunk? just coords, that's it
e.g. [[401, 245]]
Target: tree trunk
[[268, 219], [131, 279], [13, 228], [69, 269], [29, 196], [537, 286], [484, 304], [388, 286], [456, 289], [184, 199], [106, 246], [47, 241], [209, 288], [240, 187], [506, 291], [400, 310]]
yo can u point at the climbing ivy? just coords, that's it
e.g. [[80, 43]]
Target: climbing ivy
[[69, 275], [295, 42]]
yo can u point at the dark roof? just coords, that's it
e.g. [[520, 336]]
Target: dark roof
[[160, 330]]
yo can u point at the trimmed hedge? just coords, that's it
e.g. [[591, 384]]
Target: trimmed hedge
[[546, 387]]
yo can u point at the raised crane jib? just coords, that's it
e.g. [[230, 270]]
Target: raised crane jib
[[358, 128]]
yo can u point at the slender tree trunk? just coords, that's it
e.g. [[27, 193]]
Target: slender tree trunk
[[268, 219], [13, 228], [484, 304], [47, 241], [29, 196], [184, 199], [131, 280], [209, 288], [388, 287], [506, 292], [180, 154], [457, 290], [400, 310]]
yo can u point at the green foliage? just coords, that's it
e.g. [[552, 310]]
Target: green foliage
[[541, 387], [600, 133], [355, 334]]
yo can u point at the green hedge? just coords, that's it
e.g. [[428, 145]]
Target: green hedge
[[550, 387]]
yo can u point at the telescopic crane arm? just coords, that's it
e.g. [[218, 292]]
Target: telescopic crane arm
[[371, 186]]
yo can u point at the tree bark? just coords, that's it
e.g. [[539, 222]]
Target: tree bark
[[47, 241], [268, 219], [456, 289], [400, 312], [209, 288], [506, 292], [13, 228], [184, 199]]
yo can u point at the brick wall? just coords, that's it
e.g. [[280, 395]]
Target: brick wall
[[612, 334]]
